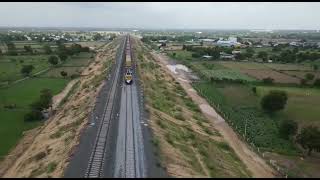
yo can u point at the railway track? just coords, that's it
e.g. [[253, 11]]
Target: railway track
[[96, 161], [130, 156]]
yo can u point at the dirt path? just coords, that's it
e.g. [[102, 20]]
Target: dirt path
[[255, 164], [59, 97]]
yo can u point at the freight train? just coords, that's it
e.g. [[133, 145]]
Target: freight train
[[128, 65]]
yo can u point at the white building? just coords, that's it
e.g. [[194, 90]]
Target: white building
[[232, 41]]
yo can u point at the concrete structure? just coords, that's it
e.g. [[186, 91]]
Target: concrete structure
[[226, 56], [207, 57], [232, 41]]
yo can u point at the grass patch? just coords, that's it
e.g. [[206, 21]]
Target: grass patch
[[22, 94], [261, 129], [51, 167]]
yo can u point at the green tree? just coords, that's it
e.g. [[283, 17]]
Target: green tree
[[26, 69], [268, 80], [309, 76], [317, 82], [28, 49], [309, 138], [254, 90], [303, 82], [63, 74], [315, 67], [240, 56], [249, 52], [263, 55], [53, 60], [11, 49], [97, 37], [62, 56], [47, 49], [34, 115], [275, 100], [288, 128]]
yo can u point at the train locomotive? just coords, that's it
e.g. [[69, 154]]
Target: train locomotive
[[128, 65]]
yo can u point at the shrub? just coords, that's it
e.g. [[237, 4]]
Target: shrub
[[274, 101], [268, 80], [288, 128], [34, 115]]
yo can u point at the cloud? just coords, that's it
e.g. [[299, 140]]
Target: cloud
[[222, 15]]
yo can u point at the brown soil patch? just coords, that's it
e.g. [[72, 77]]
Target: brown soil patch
[[265, 73]]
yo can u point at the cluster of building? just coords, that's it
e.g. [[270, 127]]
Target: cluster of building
[[230, 42]]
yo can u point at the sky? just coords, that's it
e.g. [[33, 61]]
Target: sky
[[162, 15]]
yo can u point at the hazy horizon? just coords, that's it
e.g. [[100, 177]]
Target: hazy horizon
[[162, 15]]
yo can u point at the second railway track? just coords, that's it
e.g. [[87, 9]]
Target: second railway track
[[96, 161]]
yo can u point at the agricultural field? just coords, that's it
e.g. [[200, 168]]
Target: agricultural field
[[302, 106], [241, 109], [218, 72], [83, 59], [22, 95], [210, 70], [36, 46], [302, 74], [290, 67], [181, 55], [56, 72], [94, 44], [265, 70], [10, 66]]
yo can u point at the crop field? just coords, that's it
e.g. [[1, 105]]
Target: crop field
[[263, 70], [216, 71], [277, 76], [181, 55], [89, 44], [37, 46], [10, 66], [22, 94], [302, 106], [55, 72], [288, 67], [301, 74], [242, 65], [83, 59], [242, 113]]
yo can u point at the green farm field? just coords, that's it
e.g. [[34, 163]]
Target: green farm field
[[22, 94], [10, 66], [241, 108], [302, 106], [83, 59], [55, 72]]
